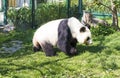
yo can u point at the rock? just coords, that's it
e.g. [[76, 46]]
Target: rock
[[11, 47]]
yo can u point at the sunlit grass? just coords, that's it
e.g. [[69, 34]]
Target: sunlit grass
[[99, 60]]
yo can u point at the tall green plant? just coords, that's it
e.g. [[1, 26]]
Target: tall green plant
[[21, 18], [43, 13], [47, 12]]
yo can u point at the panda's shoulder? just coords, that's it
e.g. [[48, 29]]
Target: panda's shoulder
[[74, 22], [51, 25]]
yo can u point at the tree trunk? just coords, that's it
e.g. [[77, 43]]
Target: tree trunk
[[114, 15]]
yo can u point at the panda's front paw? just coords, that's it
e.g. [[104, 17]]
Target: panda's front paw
[[51, 55], [73, 51]]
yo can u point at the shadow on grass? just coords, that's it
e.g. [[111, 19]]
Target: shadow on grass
[[117, 48], [93, 48], [6, 69], [21, 53], [27, 49]]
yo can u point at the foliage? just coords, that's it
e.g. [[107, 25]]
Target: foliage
[[20, 17], [47, 12], [12, 15], [44, 12], [95, 5], [112, 8], [74, 2], [102, 30], [117, 3]]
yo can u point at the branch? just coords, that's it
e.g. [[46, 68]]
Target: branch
[[105, 6]]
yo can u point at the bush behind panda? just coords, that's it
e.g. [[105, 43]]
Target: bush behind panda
[[63, 33]]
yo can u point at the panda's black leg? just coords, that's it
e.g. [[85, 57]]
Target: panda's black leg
[[68, 49], [36, 48], [73, 42], [48, 49], [73, 49]]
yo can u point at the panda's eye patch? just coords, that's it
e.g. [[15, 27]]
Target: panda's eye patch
[[88, 38], [83, 29]]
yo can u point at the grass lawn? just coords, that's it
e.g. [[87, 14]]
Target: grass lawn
[[99, 60]]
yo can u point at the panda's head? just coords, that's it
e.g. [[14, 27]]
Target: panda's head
[[79, 31], [84, 35]]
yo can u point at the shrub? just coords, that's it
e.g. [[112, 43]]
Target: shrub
[[47, 12], [22, 17], [102, 30]]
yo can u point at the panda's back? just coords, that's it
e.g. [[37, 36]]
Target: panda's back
[[48, 32]]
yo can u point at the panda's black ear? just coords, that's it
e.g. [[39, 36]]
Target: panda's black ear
[[83, 29], [87, 25]]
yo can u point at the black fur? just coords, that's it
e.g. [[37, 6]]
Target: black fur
[[48, 49], [86, 24], [83, 29], [65, 41], [38, 48]]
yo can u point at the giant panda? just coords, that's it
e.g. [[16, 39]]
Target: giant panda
[[63, 33]]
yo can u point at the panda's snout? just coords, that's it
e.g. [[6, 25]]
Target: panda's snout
[[88, 42]]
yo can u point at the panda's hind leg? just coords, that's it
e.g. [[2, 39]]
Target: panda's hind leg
[[48, 49], [36, 47]]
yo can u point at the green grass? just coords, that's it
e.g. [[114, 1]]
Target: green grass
[[99, 60]]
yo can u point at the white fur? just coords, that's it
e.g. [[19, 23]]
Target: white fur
[[48, 33], [81, 37], [75, 27]]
